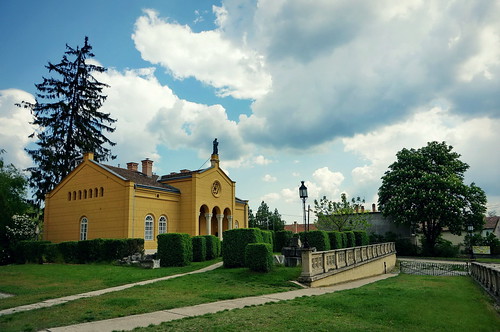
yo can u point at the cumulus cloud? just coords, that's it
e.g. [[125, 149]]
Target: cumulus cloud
[[15, 127], [233, 70], [475, 139]]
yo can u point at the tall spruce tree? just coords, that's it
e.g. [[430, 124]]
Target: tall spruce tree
[[69, 123]]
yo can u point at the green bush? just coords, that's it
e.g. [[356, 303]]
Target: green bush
[[282, 240], [199, 248], [267, 237], [445, 248], [52, 254], [69, 251], [213, 246], [344, 239], [351, 239], [336, 241], [235, 242], [318, 239], [133, 246], [90, 251], [174, 249], [361, 238], [29, 251], [259, 257]]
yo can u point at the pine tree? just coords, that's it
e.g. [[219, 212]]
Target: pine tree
[[66, 113]]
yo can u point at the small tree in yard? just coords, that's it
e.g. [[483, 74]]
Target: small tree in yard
[[424, 189], [66, 114], [340, 216]]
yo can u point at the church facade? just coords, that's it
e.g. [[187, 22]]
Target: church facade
[[102, 201]]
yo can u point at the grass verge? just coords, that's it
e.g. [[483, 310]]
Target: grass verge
[[33, 283], [220, 284], [403, 303]]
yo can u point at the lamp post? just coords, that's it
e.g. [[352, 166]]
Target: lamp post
[[470, 229], [303, 196]]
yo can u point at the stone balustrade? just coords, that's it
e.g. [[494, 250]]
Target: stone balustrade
[[488, 275], [319, 262]]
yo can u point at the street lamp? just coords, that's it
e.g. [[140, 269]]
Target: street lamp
[[470, 229], [303, 196]]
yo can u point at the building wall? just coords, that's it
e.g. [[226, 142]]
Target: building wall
[[106, 212]]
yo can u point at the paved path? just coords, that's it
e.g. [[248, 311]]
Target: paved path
[[52, 302], [143, 320]]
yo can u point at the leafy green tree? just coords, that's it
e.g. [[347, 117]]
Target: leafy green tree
[[340, 216], [12, 202], [66, 112], [265, 219], [425, 189]]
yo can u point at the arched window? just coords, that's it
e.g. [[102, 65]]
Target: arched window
[[69, 196], [84, 224], [96, 194], [148, 228], [162, 225], [85, 194], [90, 192], [79, 194], [74, 195], [236, 224], [102, 191]]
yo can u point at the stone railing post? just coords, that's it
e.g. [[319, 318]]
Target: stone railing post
[[307, 269]]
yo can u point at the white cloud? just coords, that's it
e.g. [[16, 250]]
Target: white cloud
[[207, 56], [270, 197], [261, 160], [269, 178], [15, 127], [328, 182]]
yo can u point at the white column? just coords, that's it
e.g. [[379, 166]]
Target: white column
[[208, 217], [229, 222], [219, 220]]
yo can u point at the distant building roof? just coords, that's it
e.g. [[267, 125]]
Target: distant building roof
[[491, 222], [297, 228]]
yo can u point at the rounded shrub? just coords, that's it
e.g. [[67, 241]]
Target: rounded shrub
[[259, 257], [318, 239], [213, 246], [361, 238], [351, 239], [336, 241]]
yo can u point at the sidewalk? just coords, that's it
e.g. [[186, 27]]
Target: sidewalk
[[52, 302], [144, 320]]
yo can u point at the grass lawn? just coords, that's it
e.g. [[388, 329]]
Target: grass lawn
[[33, 283], [210, 286], [403, 303]]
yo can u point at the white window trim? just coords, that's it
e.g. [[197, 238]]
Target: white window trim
[[84, 228], [149, 231]]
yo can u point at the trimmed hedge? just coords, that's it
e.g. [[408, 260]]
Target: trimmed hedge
[[174, 249], [319, 240], [282, 240], [351, 239], [235, 242], [336, 240], [267, 237], [199, 248], [361, 238], [213, 246], [96, 250], [259, 257]]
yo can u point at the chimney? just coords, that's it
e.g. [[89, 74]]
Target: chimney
[[131, 166], [88, 156], [295, 227], [374, 208], [147, 167]]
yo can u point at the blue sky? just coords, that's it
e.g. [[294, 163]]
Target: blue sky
[[323, 91]]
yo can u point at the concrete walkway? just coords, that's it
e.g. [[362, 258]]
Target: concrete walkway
[[144, 320], [52, 302]]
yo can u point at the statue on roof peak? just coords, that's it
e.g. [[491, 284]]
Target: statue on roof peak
[[216, 147]]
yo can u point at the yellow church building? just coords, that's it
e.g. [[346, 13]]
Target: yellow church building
[[102, 201]]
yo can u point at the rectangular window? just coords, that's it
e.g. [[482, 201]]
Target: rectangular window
[[148, 230]]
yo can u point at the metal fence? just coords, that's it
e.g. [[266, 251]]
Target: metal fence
[[434, 269]]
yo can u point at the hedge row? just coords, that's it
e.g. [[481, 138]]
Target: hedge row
[[259, 257], [235, 242], [76, 252], [322, 240]]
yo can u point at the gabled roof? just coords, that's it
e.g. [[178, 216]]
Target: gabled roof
[[182, 175], [491, 222], [140, 179]]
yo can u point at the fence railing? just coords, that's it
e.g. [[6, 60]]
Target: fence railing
[[433, 268], [488, 276], [319, 262]]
